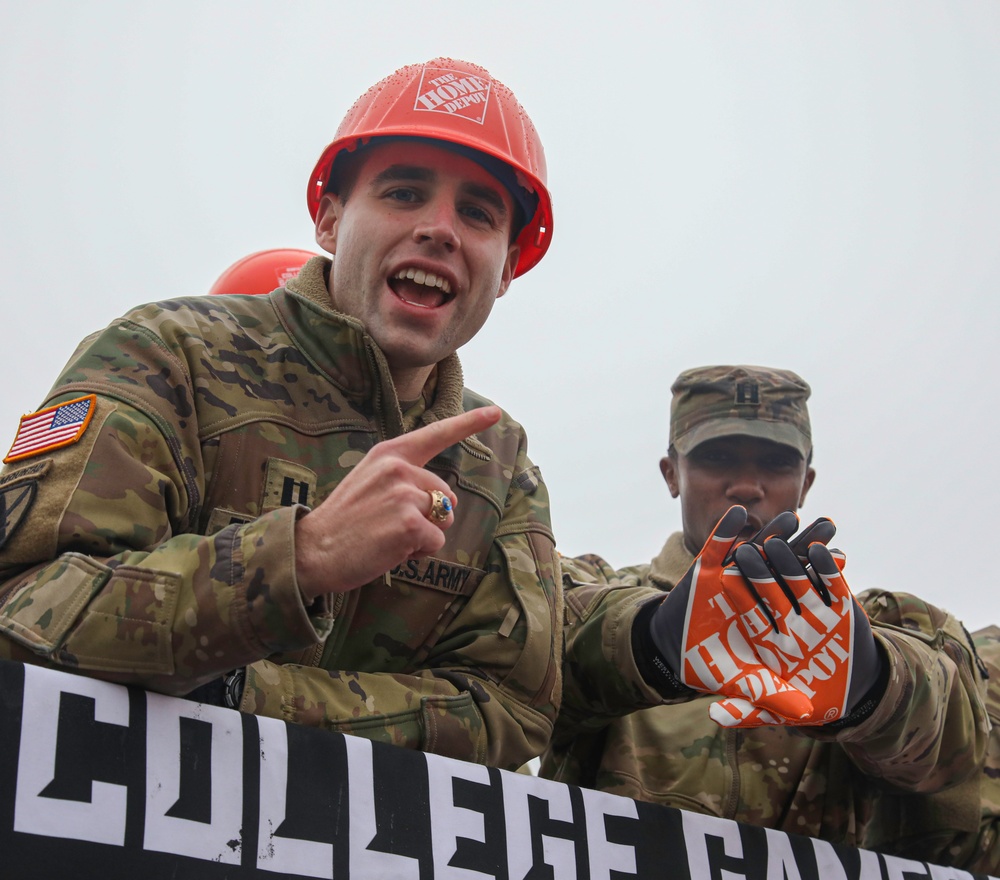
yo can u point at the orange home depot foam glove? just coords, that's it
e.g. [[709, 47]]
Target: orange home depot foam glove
[[805, 624], [696, 631]]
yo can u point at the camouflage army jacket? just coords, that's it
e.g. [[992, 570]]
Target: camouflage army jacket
[[858, 786], [981, 852], [159, 548]]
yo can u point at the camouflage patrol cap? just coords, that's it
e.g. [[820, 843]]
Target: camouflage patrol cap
[[721, 401]]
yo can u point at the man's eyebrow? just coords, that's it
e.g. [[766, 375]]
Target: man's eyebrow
[[404, 172], [487, 194]]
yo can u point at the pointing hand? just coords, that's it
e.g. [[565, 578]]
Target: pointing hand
[[380, 514]]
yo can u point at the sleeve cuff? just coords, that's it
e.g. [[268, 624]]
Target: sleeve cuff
[[275, 610], [652, 665]]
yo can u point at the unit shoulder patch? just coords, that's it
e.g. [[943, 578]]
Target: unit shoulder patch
[[17, 494]]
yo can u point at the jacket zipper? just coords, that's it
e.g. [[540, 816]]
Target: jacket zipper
[[733, 741], [316, 655]]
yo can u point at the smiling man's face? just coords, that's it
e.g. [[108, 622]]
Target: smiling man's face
[[421, 251], [763, 476]]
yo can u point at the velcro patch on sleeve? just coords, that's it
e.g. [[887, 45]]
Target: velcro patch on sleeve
[[17, 495], [287, 483], [52, 428]]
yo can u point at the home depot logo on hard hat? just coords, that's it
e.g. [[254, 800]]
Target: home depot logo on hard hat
[[453, 92]]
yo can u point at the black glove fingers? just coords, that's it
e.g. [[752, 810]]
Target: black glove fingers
[[730, 525], [823, 563], [750, 561], [819, 531], [758, 581], [782, 526], [786, 566], [822, 560]]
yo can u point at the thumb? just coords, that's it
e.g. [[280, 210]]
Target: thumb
[[420, 446]]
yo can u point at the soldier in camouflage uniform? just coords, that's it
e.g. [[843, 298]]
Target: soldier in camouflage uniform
[[903, 779], [244, 507], [981, 851]]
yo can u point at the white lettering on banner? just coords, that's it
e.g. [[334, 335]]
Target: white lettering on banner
[[781, 863], [606, 856], [557, 852], [71, 728], [830, 867], [942, 873], [218, 839], [283, 855], [903, 869], [449, 821], [367, 862], [102, 819], [697, 830]]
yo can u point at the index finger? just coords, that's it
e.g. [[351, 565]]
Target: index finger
[[420, 446], [782, 526], [821, 530], [726, 530]]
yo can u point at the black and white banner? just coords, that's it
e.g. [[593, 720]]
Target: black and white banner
[[103, 781]]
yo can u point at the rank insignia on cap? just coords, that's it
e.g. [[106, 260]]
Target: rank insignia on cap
[[747, 394], [52, 428]]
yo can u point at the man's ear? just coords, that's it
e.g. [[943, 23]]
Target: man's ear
[[669, 471], [807, 485], [513, 255], [327, 222]]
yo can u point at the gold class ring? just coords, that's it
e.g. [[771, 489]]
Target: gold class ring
[[440, 505]]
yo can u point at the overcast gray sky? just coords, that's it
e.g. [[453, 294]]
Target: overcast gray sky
[[811, 186]]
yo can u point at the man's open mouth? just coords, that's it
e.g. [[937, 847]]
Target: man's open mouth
[[418, 288]]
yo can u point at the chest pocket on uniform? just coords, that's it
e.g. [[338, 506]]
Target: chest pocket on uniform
[[426, 596], [246, 483]]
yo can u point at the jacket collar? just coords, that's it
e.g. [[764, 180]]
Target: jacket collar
[[339, 347], [672, 563]]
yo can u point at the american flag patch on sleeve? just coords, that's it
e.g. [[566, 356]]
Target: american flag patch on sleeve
[[52, 427]]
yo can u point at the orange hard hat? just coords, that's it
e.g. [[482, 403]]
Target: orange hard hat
[[262, 272], [461, 103]]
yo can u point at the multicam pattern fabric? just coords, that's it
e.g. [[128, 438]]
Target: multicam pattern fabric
[[159, 549], [981, 852], [720, 401], [903, 781]]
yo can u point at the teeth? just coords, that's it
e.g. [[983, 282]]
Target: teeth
[[428, 279]]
